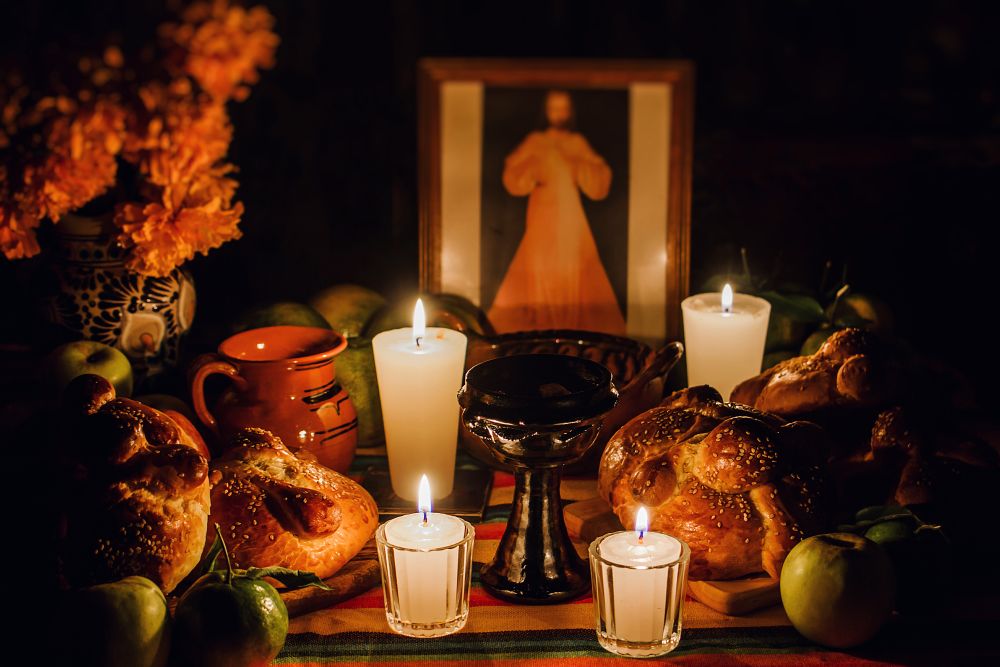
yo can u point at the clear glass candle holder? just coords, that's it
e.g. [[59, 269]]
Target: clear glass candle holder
[[426, 591], [638, 609]]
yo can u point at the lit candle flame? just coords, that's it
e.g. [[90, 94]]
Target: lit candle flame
[[424, 497], [419, 322], [727, 298], [641, 523]]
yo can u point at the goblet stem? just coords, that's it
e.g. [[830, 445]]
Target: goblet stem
[[536, 561]]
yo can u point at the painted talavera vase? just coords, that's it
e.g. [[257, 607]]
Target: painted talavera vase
[[100, 299]]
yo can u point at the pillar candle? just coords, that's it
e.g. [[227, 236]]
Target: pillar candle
[[419, 372], [724, 335]]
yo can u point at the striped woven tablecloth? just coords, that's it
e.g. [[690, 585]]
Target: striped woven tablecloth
[[500, 634]]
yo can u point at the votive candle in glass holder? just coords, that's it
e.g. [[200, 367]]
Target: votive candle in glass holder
[[638, 580], [426, 561]]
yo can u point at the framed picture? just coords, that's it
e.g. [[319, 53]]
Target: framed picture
[[556, 194]]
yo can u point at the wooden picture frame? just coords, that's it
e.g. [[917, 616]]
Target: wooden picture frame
[[466, 109]]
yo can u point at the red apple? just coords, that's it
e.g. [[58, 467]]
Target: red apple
[[86, 356], [837, 589]]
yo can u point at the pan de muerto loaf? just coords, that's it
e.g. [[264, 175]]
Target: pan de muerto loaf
[[740, 487], [142, 503], [849, 370], [277, 509], [932, 467]]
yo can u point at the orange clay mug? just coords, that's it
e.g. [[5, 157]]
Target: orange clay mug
[[283, 380]]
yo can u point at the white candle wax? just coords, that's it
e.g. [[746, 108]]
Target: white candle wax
[[724, 348], [418, 385], [427, 581], [640, 597]]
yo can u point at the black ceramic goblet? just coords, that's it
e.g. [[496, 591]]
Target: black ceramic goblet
[[536, 413]]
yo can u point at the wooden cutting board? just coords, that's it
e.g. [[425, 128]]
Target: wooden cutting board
[[360, 574], [587, 520]]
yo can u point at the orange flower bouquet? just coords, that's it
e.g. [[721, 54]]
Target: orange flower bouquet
[[154, 129]]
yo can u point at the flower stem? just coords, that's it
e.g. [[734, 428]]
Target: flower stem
[[225, 550]]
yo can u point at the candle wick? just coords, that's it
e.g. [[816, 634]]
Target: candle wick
[[425, 517], [418, 339], [641, 534]]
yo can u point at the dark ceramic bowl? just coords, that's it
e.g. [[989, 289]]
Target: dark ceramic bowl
[[639, 373]]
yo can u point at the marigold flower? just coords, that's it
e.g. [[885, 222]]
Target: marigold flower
[[222, 46], [81, 161], [17, 233], [183, 138], [162, 238], [60, 151]]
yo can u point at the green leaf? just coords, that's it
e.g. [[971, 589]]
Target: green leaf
[[206, 565], [797, 307], [791, 287], [290, 579]]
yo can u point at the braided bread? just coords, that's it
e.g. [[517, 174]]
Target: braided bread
[[848, 370], [277, 509], [739, 486], [141, 506]]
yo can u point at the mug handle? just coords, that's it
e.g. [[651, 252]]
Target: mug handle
[[203, 366], [663, 361]]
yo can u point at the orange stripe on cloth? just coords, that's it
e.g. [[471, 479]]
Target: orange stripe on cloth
[[502, 479], [490, 531]]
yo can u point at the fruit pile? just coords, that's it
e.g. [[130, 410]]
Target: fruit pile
[[225, 617], [838, 589]]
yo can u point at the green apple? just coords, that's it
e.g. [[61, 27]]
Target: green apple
[[121, 624], [356, 373], [784, 332], [816, 340], [81, 357], [854, 308], [279, 314], [347, 307], [837, 589], [922, 559]]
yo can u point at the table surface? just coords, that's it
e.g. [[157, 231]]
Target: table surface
[[499, 633]]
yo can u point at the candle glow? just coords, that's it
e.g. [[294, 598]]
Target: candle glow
[[727, 298], [424, 497], [419, 322], [641, 522]]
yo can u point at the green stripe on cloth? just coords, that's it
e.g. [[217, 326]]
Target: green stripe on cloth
[[556, 644], [912, 643], [497, 513]]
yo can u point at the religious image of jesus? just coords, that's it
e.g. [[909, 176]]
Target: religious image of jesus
[[556, 279]]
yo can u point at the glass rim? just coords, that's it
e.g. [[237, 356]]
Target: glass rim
[[595, 553], [470, 534]]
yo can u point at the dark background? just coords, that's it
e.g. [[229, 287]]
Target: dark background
[[509, 115], [862, 132]]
